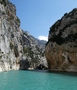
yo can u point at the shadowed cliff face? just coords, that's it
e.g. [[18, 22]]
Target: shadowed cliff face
[[61, 48], [18, 49]]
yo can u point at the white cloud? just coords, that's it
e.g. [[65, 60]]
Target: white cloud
[[43, 38]]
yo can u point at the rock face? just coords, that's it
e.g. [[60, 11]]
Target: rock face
[[33, 52], [18, 49], [61, 48]]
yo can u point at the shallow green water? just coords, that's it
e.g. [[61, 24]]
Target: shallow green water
[[32, 80]]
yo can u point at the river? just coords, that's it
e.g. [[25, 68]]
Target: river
[[36, 80]]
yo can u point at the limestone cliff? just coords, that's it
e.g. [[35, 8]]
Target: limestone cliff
[[61, 48], [18, 49], [33, 56]]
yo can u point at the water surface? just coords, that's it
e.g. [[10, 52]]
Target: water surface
[[33, 80]]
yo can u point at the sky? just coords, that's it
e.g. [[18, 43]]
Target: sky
[[37, 16]]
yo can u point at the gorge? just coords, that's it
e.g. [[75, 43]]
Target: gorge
[[27, 63], [20, 50]]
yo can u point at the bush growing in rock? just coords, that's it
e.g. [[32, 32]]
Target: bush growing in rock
[[11, 45]]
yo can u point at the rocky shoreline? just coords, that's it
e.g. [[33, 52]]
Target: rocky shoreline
[[7, 67]]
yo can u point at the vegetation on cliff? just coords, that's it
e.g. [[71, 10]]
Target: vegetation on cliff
[[18, 49], [61, 48]]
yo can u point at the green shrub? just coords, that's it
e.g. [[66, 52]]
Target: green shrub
[[18, 20], [0, 56], [10, 61], [11, 45], [28, 51], [25, 50], [4, 2]]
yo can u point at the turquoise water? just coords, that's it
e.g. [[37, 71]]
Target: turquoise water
[[32, 80]]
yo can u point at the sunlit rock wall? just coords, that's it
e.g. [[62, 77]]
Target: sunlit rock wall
[[61, 48]]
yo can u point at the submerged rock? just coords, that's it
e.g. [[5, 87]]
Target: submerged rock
[[61, 48]]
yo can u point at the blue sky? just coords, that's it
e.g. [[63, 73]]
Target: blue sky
[[37, 16]]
